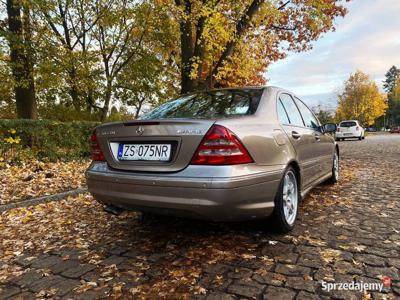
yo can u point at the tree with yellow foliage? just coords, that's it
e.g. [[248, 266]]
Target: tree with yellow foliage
[[231, 43], [361, 100], [394, 104]]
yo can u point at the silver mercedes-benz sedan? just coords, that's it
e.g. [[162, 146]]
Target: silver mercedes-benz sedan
[[224, 154]]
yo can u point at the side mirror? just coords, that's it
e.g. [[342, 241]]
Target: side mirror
[[330, 128]]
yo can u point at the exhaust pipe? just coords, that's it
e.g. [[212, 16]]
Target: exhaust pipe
[[111, 209]]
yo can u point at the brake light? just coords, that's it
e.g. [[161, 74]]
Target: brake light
[[220, 146], [97, 154], [338, 129], [357, 128]]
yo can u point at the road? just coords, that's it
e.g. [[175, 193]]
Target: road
[[349, 232]]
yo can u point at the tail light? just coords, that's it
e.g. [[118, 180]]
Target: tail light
[[220, 146], [97, 154], [338, 129], [357, 128]]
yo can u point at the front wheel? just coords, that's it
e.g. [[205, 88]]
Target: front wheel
[[335, 169], [286, 202]]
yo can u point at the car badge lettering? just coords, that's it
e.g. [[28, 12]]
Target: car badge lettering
[[108, 132], [188, 131]]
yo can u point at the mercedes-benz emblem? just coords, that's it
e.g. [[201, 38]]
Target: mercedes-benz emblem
[[140, 130]]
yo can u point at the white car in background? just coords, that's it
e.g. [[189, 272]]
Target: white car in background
[[349, 129]]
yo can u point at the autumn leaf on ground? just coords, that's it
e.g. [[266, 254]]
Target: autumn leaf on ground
[[330, 255], [219, 279], [38, 178]]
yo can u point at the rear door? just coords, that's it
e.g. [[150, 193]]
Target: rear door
[[301, 137], [323, 144]]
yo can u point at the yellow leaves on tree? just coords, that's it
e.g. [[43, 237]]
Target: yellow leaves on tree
[[361, 100], [231, 43]]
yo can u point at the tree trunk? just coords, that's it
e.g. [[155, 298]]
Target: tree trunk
[[138, 108], [107, 100], [73, 88], [21, 61], [90, 101], [187, 49], [193, 47]]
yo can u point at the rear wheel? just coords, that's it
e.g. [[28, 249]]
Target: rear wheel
[[335, 169], [286, 202]]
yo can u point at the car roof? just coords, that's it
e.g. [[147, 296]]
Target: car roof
[[257, 87], [233, 88]]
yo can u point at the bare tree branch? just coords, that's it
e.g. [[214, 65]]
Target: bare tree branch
[[284, 28], [90, 27], [2, 30], [283, 5], [54, 28], [116, 70]]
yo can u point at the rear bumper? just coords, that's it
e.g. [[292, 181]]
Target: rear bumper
[[190, 193], [342, 135]]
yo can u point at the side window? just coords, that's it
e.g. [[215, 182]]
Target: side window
[[282, 115], [309, 119], [292, 110]]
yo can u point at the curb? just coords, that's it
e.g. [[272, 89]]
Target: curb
[[43, 199]]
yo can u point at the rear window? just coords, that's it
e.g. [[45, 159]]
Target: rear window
[[347, 124], [209, 105]]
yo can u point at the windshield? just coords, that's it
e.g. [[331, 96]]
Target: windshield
[[347, 124], [209, 105]]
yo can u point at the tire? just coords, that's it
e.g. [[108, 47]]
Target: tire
[[335, 169], [285, 211]]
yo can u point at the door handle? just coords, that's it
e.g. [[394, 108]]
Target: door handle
[[317, 136], [296, 135]]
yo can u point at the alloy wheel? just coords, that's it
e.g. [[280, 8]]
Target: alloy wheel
[[336, 165], [290, 197]]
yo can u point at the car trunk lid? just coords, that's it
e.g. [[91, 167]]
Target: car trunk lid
[[183, 136]]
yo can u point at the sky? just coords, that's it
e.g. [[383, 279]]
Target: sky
[[366, 39]]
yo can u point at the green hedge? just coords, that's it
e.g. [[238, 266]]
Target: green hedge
[[44, 139]]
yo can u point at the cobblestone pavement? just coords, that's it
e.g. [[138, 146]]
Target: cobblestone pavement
[[349, 232]]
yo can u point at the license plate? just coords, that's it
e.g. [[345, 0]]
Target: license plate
[[150, 152], [347, 134]]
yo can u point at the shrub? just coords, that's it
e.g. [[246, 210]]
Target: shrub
[[44, 140], [62, 113]]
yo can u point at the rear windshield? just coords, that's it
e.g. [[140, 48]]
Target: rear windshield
[[209, 105], [347, 124]]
